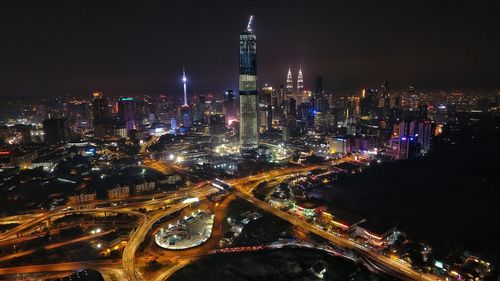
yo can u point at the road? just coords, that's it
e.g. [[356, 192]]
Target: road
[[57, 245], [19, 218], [156, 201], [242, 188], [163, 167], [401, 269], [247, 184], [56, 267], [220, 212], [147, 144], [62, 212], [128, 258], [128, 209], [171, 270], [31, 236]]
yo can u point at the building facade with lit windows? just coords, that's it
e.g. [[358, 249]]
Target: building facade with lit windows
[[127, 112], [249, 123]]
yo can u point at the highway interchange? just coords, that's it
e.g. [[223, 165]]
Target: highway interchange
[[155, 202]]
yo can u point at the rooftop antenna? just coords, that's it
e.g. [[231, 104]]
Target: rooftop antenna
[[249, 25]]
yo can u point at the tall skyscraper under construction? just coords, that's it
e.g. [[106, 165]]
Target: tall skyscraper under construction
[[249, 128]]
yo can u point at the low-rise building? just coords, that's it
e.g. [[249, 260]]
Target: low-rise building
[[338, 145], [376, 232], [170, 179], [144, 186], [119, 192], [342, 220], [82, 198], [22, 158]]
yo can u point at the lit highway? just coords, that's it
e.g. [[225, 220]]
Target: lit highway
[[135, 240], [128, 258], [180, 263], [56, 245], [128, 153], [220, 211], [242, 188], [146, 145], [388, 265], [128, 209], [61, 212], [58, 267], [19, 218]]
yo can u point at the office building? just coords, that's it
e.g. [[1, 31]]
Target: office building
[[369, 104], [300, 81], [127, 112], [101, 115], [318, 87], [289, 82], [217, 124], [425, 135], [56, 130], [230, 107], [119, 192], [249, 126], [100, 107]]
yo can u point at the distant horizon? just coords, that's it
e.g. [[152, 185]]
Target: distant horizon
[[218, 94]]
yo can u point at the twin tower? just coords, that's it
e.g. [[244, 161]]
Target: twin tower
[[289, 81]]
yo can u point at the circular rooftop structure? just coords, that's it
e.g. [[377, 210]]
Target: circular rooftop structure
[[188, 232]]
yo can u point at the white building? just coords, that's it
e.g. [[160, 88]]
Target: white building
[[338, 145]]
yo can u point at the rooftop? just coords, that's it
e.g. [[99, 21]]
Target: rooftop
[[377, 226]]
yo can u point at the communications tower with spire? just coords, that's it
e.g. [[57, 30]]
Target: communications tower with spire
[[184, 81], [185, 112]]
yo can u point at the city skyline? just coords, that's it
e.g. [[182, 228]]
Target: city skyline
[[134, 48], [213, 141]]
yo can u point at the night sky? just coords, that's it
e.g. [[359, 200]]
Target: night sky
[[139, 47]]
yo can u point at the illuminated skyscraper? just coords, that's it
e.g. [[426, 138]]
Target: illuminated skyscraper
[[289, 82], [127, 112], [413, 98], [249, 129], [230, 107], [300, 88], [101, 115], [100, 110], [300, 82]]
